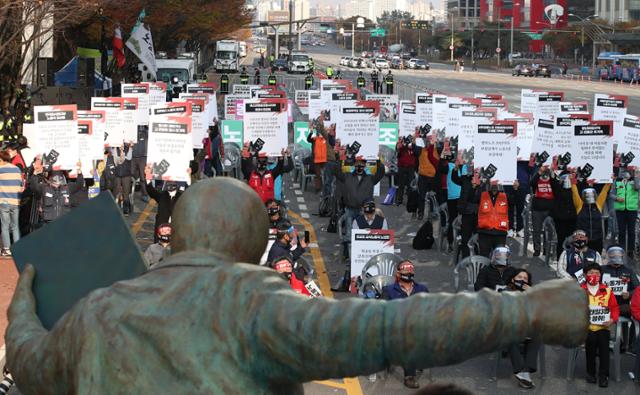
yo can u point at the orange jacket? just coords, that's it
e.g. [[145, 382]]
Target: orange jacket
[[493, 217]]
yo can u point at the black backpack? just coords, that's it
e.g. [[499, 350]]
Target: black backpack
[[413, 200], [424, 238]]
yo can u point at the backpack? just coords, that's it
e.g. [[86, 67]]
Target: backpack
[[413, 200], [424, 238]]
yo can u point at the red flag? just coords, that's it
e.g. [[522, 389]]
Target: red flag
[[118, 47]]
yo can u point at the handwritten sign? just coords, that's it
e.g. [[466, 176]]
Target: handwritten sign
[[580, 276]]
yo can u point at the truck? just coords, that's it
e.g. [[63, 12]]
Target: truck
[[227, 59], [299, 62], [182, 69], [242, 49]]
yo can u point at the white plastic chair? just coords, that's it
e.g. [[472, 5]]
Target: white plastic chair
[[472, 265], [384, 264]]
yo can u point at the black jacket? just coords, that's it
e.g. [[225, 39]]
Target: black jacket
[[165, 203], [538, 204], [563, 208], [55, 201], [284, 165], [466, 205], [356, 191], [489, 276], [279, 250]]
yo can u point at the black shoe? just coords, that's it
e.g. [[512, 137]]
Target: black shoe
[[411, 382], [536, 253], [603, 382], [420, 216], [591, 379], [343, 284]]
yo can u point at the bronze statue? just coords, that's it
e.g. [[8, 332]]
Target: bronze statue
[[200, 323]]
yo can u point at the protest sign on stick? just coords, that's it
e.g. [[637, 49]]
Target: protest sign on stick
[[57, 134], [592, 151], [367, 243], [359, 122], [170, 142], [495, 148], [629, 141], [266, 119], [141, 92], [408, 119], [112, 107]]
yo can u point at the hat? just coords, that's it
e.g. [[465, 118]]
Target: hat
[[406, 266], [282, 264], [592, 266]]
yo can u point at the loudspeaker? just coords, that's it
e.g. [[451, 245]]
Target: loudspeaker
[[86, 72], [44, 72]]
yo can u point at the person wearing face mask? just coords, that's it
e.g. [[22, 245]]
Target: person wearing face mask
[[523, 355], [404, 287], [496, 275], [284, 266], [577, 257], [603, 312], [542, 203], [283, 244], [356, 187], [156, 252], [589, 209], [54, 192], [273, 210], [166, 199], [213, 147], [261, 179], [617, 269], [493, 216], [369, 219], [322, 143], [428, 160], [122, 157], [563, 211], [624, 194]]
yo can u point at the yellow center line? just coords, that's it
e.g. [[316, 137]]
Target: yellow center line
[[143, 217], [351, 385]]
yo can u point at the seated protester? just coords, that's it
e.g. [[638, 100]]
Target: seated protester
[[542, 203], [617, 269], [369, 219], [273, 209], [284, 266], [598, 336], [283, 244], [261, 179], [496, 275], [577, 257], [54, 192], [165, 198], [404, 287], [635, 313], [493, 216], [156, 252], [589, 209], [524, 356]]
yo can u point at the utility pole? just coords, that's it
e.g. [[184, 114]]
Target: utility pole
[[353, 39], [290, 42], [472, 44], [498, 49], [582, 46], [103, 47], [511, 43], [451, 46]]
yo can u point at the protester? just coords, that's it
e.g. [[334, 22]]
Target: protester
[[447, 168], [273, 210], [428, 158], [283, 244], [598, 337], [11, 187], [122, 157], [166, 199], [498, 273], [578, 256], [542, 203], [406, 167], [403, 287], [467, 207], [139, 160], [284, 266], [214, 152], [156, 252], [624, 194], [322, 148], [369, 219], [563, 211], [589, 209], [617, 269], [53, 191], [493, 216], [261, 179], [635, 313]]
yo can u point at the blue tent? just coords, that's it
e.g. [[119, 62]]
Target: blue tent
[[68, 76]]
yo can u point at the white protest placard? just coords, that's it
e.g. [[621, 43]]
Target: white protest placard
[[424, 108], [230, 107], [84, 147], [130, 115], [526, 132], [568, 108], [199, 127], [548, 105], [157, 93], [629, 141], [315, 104], [94, 145], [543, 138], [388, 106], [563, 132], [266, 119], [327, 87], [302, 101], [141, 92], [365, 244], [57, 134], [598, 315], [440, 112], [210, 89], [456, 105], [618, 285], [359, 121], [244, 90], [580, 277], [408, 119], [529, 101], [112, 107], [592, 148], [610, 108], [338, 100], [272, 94], [468, 126], [495, 145], [170, 142]]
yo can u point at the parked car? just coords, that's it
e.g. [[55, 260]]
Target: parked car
[[544, 71], [524, 70], [356, 63], [280, 65], [396, 63], [381, 63], [421, 64], [344, 60]]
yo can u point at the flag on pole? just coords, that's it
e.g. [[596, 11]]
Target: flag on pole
[[118, 47], [141, 44]]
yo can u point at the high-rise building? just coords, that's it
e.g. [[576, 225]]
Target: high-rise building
[[467, 12], [614, 11]]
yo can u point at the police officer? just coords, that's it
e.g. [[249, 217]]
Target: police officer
[[360, 81], [338, 75], [54, 192], [272, 80], [224, 83], [308, 82], [388, 81], [329, 72], [256, 77], [312, 65], [375, 80], [244, 77]]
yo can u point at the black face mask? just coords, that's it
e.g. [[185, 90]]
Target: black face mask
[[359, 169], [262, 166], [407, 277], [519, 284], [287, 276], [171, 187], [273, 211], [579, 243], [164, 238]]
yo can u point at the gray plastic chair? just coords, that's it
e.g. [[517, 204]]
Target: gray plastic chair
[[383, 264], [457, 239], [473, 244], [472, 265], [377, 283], [550, 240], [443, 215], [527, 225], [232, 160]]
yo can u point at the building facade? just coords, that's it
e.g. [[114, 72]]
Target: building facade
[[467, 12], [614, 11], [532, 14]]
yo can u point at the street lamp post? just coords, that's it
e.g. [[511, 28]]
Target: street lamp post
[[498, 49], [451, 46], [583, 20], [515, 5]]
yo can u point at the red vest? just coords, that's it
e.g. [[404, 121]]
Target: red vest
[[492, 217], [320, 150], [262, 185], [543, 190]]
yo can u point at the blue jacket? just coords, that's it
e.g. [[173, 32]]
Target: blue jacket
[[453, 189], [394, 291]]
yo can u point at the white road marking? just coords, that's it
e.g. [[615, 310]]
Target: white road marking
[[304, 215], [302, 207], [300, 199], [297, 192]]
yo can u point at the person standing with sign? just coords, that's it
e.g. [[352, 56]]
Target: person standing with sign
[[259, 178], [256, 77], [375, 80], [388, 81], [322, 148], [625, 202], [603, 312], [308, 82], [360, 81], [428, 160], [244, 77], [541, 204], [620, 278], [572, 262]]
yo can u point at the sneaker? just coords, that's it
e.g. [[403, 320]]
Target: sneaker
[[411, 382], [524, 380], [536, 253], [5, 252], [603, 382]]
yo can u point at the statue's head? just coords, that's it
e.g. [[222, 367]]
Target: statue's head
[[221, 215]]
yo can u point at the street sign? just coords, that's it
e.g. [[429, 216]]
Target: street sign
[[416, 25], [377, 32], [498, 50]]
